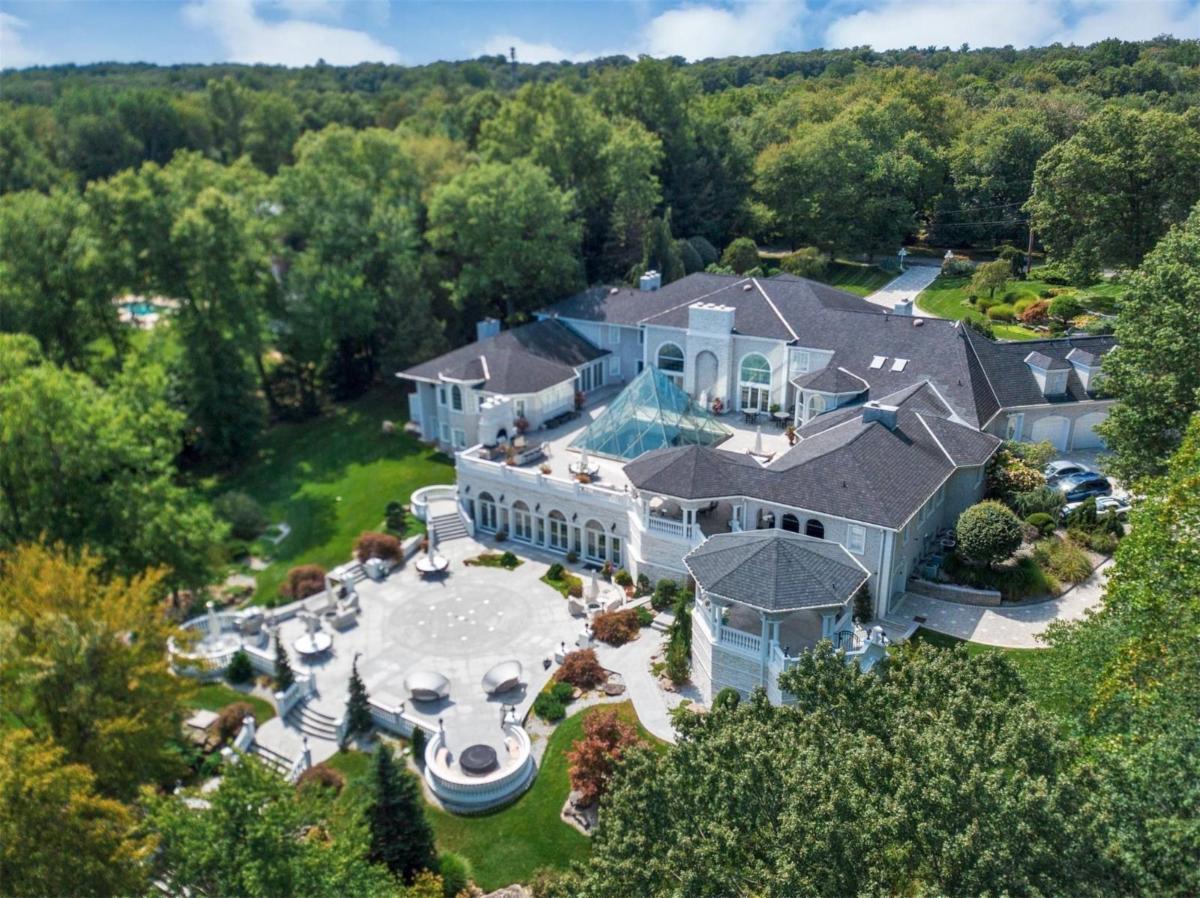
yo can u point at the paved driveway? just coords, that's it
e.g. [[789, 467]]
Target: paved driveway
[[906, 286], [1009, 626]]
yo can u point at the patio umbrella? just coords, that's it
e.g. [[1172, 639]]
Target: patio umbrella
[[758, 450], [583, 460]]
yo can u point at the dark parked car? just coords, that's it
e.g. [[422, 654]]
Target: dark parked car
[[1077, 487]]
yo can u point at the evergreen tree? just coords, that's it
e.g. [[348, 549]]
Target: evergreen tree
[[284, 677], [659, 251], [358, 712], [400, 835]]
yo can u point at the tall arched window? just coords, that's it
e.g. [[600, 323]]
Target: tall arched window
[[754, 381], [813, 527], [790, 522], [595, 544], [487, 512], [816, 406], [670, 362], [560, 537], [522, 522], [456, 398]]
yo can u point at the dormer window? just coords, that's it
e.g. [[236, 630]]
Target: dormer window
[[1050, 373], [1086, 365]]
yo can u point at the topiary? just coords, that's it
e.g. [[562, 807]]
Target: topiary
[[549, 708], [564, 692], [623, 578], [239, 669], [416, 742], [987, 532], [677, 662], [396, 517], [377, 545], [664, 594], [1042, 522], [741, 255], [244, 515], [303, 581], [455, 871]]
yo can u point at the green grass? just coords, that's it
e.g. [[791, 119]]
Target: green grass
[[855, 277], [564, 583], [508, 845], [352, 765], [215, 696], [947, 298], [330, 479], [1029, 662]]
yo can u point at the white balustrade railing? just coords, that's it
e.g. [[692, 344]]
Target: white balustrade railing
[[741, 641], [302, 688], [420, 499], [546, 483], [668, 526]]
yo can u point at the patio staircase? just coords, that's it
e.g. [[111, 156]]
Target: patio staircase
[[446, 527], [663, 621], [355, 572], [272, 759], [312, 722]]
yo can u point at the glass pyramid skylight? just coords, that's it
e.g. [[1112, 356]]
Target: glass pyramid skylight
[[651, 413]]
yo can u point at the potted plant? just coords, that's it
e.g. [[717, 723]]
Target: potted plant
[[579, 397], [510, 456], [606, 571], [501, 535], [790, 433], [774, 408], [583, 477], [718, 406], [572, 557], [545, 468], [521, 424]]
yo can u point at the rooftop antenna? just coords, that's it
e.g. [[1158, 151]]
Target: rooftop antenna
[[512, 61]]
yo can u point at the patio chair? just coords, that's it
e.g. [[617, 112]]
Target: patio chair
[[344, 618], [322, 603], [502, 677], [576, 607]]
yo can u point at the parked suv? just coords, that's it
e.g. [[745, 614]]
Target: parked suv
[[1057, 470], [1077, 487]]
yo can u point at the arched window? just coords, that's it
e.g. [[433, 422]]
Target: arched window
[[595, 542], [816, 406], [754, 381], [813, 527], [670, 362], [487, 512], [766, 519], [522, 522], [456, 398], [560, 537], [791, 523]]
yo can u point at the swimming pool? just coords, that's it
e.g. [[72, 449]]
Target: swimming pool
[[140, 308]]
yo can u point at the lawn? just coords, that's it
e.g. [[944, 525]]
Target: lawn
[[215, 696], [508, 845], [1029, 662], [947, 298], [330, 479], [855, 277], [564, 583]]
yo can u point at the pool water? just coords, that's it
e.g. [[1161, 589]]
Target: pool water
[[141, 308]]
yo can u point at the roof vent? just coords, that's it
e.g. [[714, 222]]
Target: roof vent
[[613, 291], [747, 287], [884, 414], [918, 322]]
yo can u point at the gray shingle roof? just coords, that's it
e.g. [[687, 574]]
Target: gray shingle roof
[[1009, 378], [525, 359], [832, 379], [1084, 357], [841, 466], [775, 570], [1045, 362]]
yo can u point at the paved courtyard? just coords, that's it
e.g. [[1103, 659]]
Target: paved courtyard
[[458, 625], [906, 286]]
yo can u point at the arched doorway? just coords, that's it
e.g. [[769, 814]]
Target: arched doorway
[[487, 512], [706, 374], [754, 383], [560, 535], [595, 541], [522, 522]]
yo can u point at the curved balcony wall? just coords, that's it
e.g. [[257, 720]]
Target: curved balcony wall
[[463, 794]]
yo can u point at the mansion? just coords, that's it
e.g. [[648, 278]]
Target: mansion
[[651, 427]]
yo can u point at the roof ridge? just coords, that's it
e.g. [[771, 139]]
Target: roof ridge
[[774, 308], [688, 302], [929, 430]]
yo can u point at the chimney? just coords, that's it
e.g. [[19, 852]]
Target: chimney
[[650, 281], [904, 307], [884, 414], [487, 327]]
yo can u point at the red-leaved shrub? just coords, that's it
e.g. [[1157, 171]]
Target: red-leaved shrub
[[616, 627], [605, 739], [377, 545], [303, 581], [581, 668]]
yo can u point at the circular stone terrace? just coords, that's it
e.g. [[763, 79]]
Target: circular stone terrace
[[459, 625]]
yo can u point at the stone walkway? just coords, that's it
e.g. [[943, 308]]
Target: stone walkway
[[632, 661], [906, 286], [1009, 626]]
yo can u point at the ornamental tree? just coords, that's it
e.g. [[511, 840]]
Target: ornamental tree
[[592, 759], [401, 837], [991, 277], [358, 707], [988, 532]]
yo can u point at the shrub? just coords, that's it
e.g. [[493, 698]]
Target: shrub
[[708, 253], [1001, 312], [244, 515], [644, 617], [455, 871], [416, 743], [864, 608], [549, 708], [501, 536], [377, 545], [984, 304], [988, 532], [1015, 580], [690, 258], [727, 699], [643, 586], [1063, 558], [561, 691], [1052, 274], [581, 668], [321, 776], [1101, 541], [555, 572], [303, 581], [741, 255], [1082, 516], [230, 718], [593, 758], [664, 595], [806, 262], [616, 627], [395, 517], [677, 662], [1008, 474], [509, 560], [1036, 455], [1034, 313], [575, 588], [623, 578], [1021, 304], [1042, 522], [239, 669], [1065, 308], [1044, 500], [958, 267], [572, 557]]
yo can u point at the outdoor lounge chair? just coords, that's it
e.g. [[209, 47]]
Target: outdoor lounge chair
[[502, 677], [427, 685]]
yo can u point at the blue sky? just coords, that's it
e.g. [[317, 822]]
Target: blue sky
[[298, 32]]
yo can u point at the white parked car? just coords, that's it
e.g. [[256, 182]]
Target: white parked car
[[1064, 467], [1104, 504]]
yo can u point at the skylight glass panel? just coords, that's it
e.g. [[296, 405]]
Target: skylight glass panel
[[898, 364], [878, 361]]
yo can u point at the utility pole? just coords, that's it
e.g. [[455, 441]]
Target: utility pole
[[512, 61], [1029, 251]]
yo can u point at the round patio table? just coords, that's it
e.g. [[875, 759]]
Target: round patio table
[[311, 644], [478, 760]]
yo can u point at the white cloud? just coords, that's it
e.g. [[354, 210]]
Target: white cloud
[[532, 51], [745, 29], [13, 52], [896, 24], [249, 38]]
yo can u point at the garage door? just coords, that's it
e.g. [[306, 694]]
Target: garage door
[[1053, 429], [1085, 432]]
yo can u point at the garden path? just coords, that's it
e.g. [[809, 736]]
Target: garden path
[[915, 279]]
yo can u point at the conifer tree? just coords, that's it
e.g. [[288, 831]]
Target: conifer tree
[[400, 835], [358, 710], [284, 677]]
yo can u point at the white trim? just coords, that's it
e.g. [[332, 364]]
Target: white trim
[[1076, 403], [949, 457], [852, 374]]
